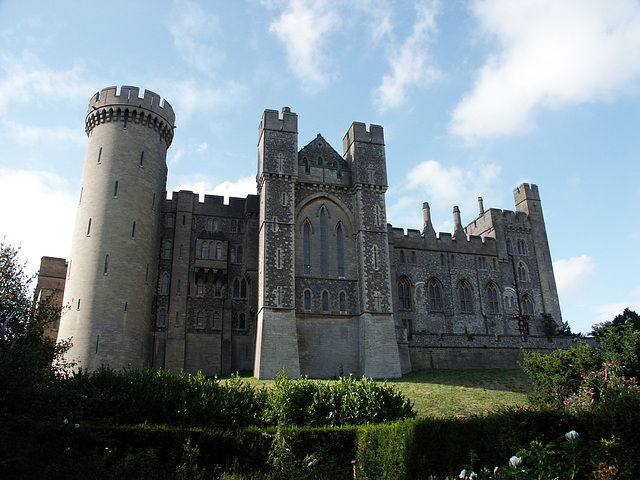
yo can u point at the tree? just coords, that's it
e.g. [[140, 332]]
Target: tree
[[28, 359], [619, 320]]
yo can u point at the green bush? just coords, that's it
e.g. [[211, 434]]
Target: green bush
[[347, 401]]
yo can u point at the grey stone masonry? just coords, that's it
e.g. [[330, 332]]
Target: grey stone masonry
[[306, 276]]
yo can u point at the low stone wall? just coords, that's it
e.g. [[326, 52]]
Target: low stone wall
[[480, 351]]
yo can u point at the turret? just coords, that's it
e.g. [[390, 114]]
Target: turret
[[112, 274], [427, 228], [276, 337], [458, 230], [527, 199]]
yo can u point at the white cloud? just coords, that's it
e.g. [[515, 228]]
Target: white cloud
[[443, 187], [552, 54], [240, 188], [194, 34], [39, 214], [572, 272], [409, 62], [190, 96], [303, 28], [25, 81]]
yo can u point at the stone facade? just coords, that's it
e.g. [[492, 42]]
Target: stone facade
[[305, 276]]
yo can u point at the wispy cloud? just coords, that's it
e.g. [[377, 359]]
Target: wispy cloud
[[25, 80], [443, 187], [572, 273], [303, 28], [409, 62], [551, 54], [189, 97], [194, 32]]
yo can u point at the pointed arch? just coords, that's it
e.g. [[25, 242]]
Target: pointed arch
[[493, 298], [464, 297], [340, 249], [404, 293], [307, 246], [434, 290]]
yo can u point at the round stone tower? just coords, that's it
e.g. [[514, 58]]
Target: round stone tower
[[112, 270]]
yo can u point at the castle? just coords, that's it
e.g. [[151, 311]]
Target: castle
[[306, 275]]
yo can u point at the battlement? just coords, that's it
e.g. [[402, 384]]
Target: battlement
[[130, 96], [473, 244], [271, 121], [358, 133], [526, 192], [212, 204]]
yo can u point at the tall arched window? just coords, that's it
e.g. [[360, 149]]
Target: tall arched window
[[325, 301], [200, 320], [307, 299], [464, 296], [435, 295], [343, 302], [307, 248], [204, 251], [404, 294], [167, 250], [493, 297], [218, 290], [522, 247], [323, 242], [216, 320], [162, 318], [522, 272], [164, 284], [340, 246], [199, 287], [527, 305], [243, 288], [218, 251], [232, 253]]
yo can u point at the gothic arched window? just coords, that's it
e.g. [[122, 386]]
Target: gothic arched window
[[493, 297], [340, 245], [164, 284], [435, 295], [307, 299], [325, 301], [243, 288], [527, 305], [404, 294], [343, 302], [307, 248], [464, 296], [323, 242], [200, 320], [204, 251], [218, 251], [522, 272]]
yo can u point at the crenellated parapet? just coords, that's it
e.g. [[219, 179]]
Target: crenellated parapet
[[444, 242], [150, 111]]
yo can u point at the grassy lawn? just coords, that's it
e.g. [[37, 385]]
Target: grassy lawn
[[461, 393], [456, 393]]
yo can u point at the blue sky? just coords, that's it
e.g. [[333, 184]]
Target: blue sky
[[475, 97]]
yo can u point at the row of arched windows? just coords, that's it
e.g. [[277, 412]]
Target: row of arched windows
[[325, 250], [325, 305], [435, 299]]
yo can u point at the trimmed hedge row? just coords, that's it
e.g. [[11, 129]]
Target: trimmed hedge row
[[411, 449]]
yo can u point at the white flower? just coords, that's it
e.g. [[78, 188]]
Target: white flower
[[66, 421], [515, 461], [571, 435], [312, 462], [463, 474], [473, 476], [77, 425]]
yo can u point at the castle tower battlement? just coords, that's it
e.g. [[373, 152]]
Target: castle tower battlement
[[112, 270], [150, 110]]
